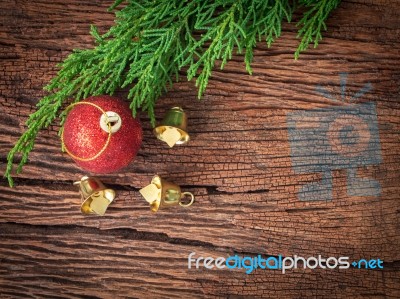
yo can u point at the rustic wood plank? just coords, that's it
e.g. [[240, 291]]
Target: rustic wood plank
[[238, 164], [332, 228], [75, 262], [253, 132]]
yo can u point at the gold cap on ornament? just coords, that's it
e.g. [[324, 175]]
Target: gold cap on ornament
[[173, 128], [95, 196], [161, 194]]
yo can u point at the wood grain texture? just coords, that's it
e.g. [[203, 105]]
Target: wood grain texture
[[238, 165]]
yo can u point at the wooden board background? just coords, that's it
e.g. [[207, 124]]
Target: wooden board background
[[238, 165]]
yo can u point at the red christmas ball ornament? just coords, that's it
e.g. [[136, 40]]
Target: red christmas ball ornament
[[101, 135]]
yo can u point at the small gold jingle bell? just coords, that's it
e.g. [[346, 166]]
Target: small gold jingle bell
[[173, 128], [162, 194], [95, 196]]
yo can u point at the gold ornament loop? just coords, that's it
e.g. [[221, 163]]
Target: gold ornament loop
[[191, 200], [108, 138]]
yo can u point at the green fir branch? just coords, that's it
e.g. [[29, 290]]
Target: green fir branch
[[265, 19], [313, 22], [153, 41], [224, 35]]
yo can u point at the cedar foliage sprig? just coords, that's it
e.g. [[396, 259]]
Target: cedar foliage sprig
[[152, 41]]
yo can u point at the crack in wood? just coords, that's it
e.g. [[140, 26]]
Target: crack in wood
[[211, 190], [12, 229]]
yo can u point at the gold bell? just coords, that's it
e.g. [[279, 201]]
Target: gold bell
[[162, 194], [173, 128], [95, 196]]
